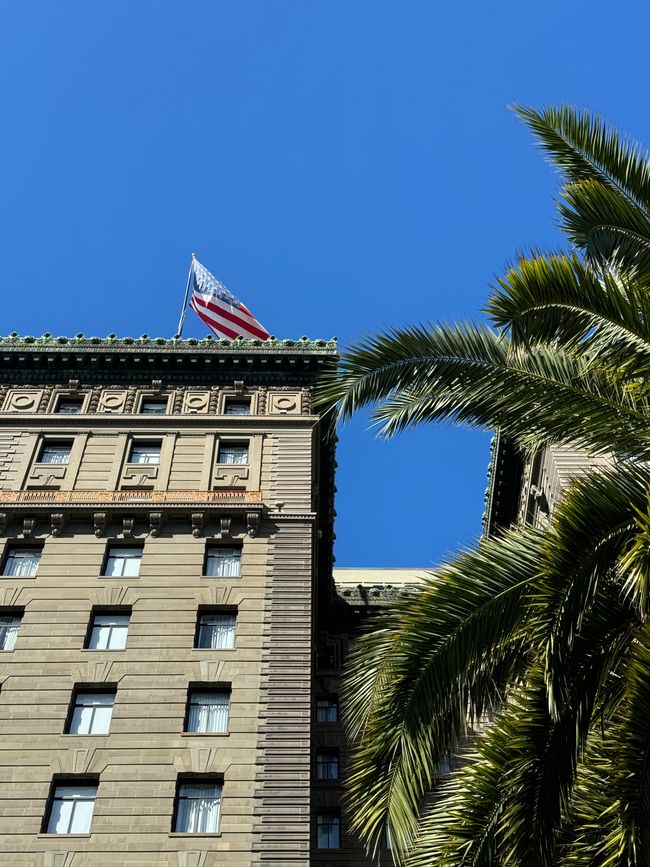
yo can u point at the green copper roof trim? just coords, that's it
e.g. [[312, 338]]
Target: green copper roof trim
[[174, 344]]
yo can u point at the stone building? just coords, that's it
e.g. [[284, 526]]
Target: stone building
[[170, 633]]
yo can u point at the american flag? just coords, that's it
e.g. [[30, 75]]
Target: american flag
[[222, 312]]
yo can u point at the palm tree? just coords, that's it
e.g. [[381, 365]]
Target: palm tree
[[531, 652]]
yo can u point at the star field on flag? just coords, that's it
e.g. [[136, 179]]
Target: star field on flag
[[219, 309]]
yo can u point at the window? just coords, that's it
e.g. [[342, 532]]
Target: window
[[91, 712], [222, 562], [328, 831], [326, 659], [237, 407], [71, 807], [145, 453], [153, 406], [69, 405], [233, 453], [122, 562], [9, 626], [21, 562], [55, 452], [198, 807], [207, 710], [327, 710], [108, 630], [216, 630], [327, 765]]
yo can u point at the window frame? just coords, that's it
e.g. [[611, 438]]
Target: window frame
[[17, 545], [16, 612], [215, 546], [113, 546], [332, 814], [153, 398], [232, 400], [104, 611], [190, 779], [143, 444], [334, 701], [229, 443], [52, 442], [194, 688], [79, 400], [88, 689], [69, 781], [206, 611], [333, 756]]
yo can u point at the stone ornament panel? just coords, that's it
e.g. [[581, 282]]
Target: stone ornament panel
[[23, 400], [113, 401], [284, 403], [196, 402]]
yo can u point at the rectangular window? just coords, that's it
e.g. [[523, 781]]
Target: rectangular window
[[328, 831], [198, 807], [21, 561], [108, 631], [9, 626], [55, 452], [207, 711], [233, 453], [327, 765], [237, 407], [71, 808], [153, 406], [327, 710], [91, 712], [216, 631], [69, 405], [222, 562], [145, 453], [122, 562]]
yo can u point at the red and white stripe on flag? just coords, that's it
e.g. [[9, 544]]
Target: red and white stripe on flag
[[222, 312]]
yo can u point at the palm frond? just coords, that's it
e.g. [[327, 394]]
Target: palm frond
[[426, 669], [590, 530], [584, 147], [562, 301]]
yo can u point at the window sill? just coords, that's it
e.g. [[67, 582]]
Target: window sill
[[205, 734], [20, 577], [89, 735], [52, 836], [192, 836], [103, 650], [220, 577], [214, 649]]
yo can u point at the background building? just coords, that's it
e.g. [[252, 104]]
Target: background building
[[170, 635]]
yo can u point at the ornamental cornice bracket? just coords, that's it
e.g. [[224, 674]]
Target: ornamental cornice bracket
[[57, 522], [253, 522], [156, 520], [197, 524], [224, 526], [4, 520], [127, 527], [100, 522], [28, 527]]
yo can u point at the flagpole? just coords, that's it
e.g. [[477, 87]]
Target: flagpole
[[187, 292]]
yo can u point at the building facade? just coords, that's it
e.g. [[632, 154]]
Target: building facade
[[170, 634]]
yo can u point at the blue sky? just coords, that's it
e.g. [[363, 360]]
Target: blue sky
[[342, 166]]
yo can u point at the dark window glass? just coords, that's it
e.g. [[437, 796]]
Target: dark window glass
[[69, 405], [55, 452], [71, 808], [222, 562], [328, 831], [207, 711], [216, 631], [108, 631], [198, 807], [327, 710], [21, 562], [233, 453], [145, 453], [151, 406], [238, 407], [327, 765]]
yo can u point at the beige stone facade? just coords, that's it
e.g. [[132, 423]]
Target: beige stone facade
[[141, 446]]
